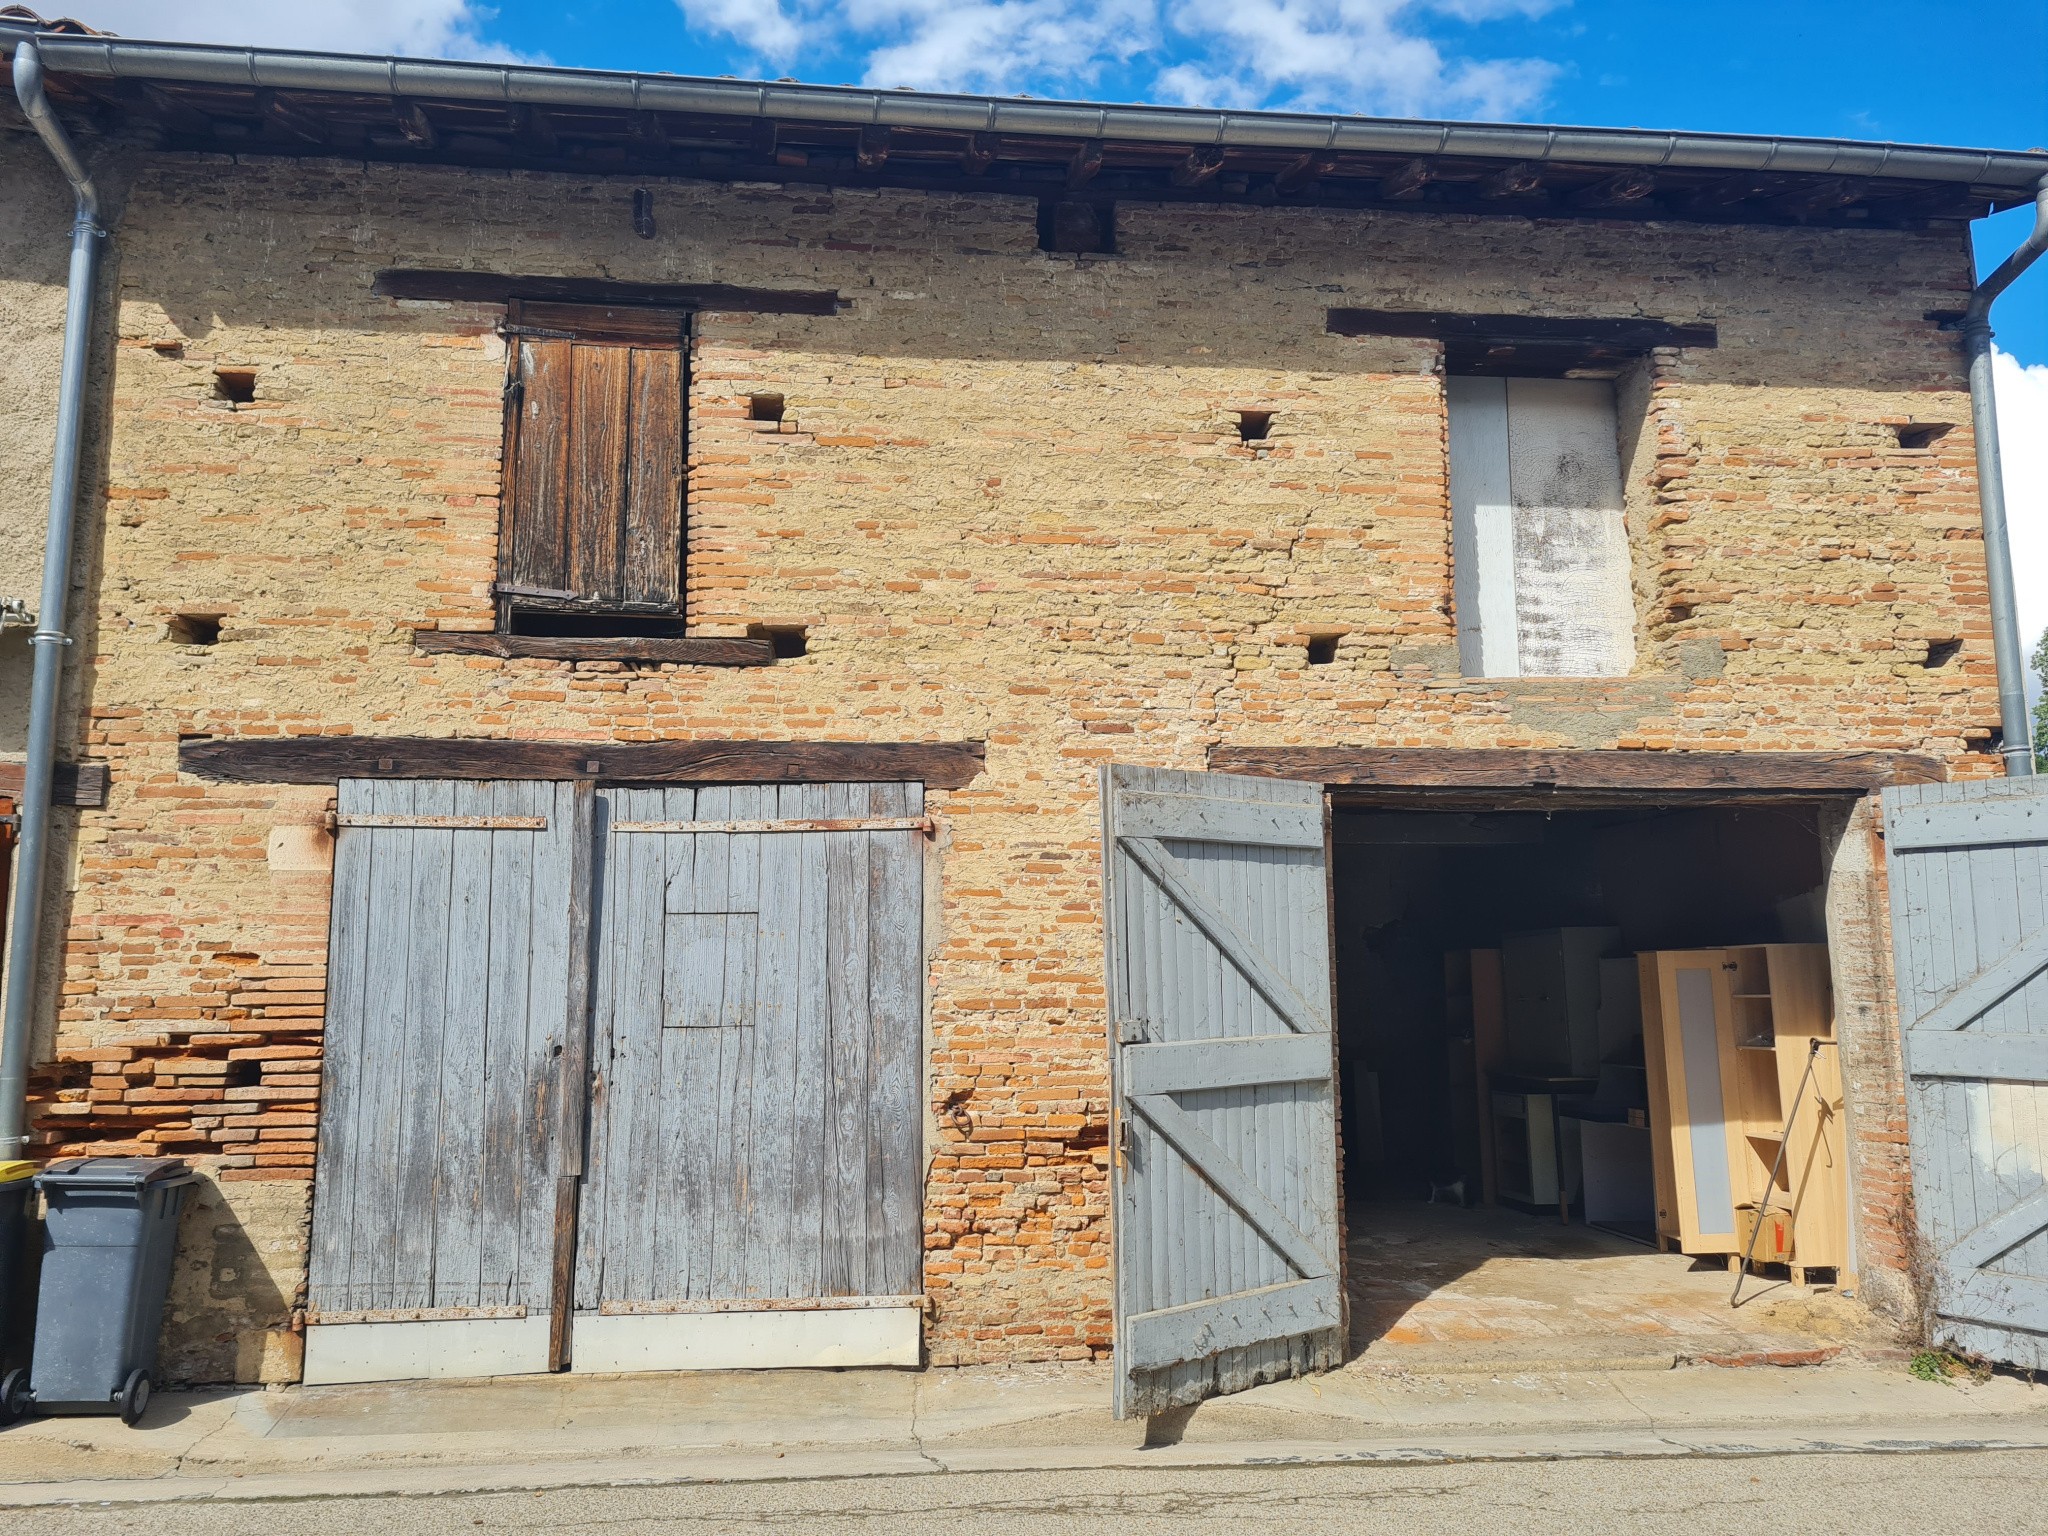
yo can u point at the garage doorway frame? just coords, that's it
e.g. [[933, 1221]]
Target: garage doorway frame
[[1843, 788]]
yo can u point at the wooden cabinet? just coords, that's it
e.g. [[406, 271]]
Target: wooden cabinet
[[1727, 1037]]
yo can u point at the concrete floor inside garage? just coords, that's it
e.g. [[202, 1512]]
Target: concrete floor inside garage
[[1438, 1279]]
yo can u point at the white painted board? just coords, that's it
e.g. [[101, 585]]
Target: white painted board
[[442, 1347], [746, 1341]]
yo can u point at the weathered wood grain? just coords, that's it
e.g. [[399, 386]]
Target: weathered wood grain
[[1632, 332], [327, 759], [652, 547], [1507, 769], [684, 650], [497, 287], [83, 785]]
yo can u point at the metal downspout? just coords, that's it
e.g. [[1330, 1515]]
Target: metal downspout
[[16, 1035], [2016, 743]]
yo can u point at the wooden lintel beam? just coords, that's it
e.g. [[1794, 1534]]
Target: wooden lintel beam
[[1629, 186], [1631, 333], [1085, 165], [1597, 772], [977, 154], [691, 650], [1305, 169], [325, 759], [1408, 181], [83, 785], [1199, 168], [1517, 180], [871, 152], [503, 287]]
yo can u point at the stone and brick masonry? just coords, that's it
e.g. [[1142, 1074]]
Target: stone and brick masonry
[[1010, 503]]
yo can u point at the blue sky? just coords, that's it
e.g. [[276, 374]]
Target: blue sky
[[1875, 69]]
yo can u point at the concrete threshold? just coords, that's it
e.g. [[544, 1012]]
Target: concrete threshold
[[542, 1433]]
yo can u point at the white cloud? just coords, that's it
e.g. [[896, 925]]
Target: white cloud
[[1349, 56], [2022, 395], [442, 29], [1330, 55]]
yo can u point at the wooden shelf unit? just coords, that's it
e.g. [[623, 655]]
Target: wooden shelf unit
[[1727, 1033]]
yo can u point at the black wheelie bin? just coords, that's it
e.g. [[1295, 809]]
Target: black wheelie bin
[[17, 1301], [110, 1232]]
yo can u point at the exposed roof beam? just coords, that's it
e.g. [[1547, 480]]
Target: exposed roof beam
[[1820, 197], [1630, 186], [415, 125], [1199, 168], [978, 154], [1408, 181], [1517, 180], [872, 150], [1085, 165], [1303, 171]]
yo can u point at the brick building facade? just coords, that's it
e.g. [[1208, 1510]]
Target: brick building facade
[[1007, 501]]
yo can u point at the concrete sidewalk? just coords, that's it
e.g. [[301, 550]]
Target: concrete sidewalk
[[552, 1432]]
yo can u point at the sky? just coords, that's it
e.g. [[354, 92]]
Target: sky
[[1867, 69]]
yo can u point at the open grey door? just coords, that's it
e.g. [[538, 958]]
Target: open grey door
[[1216, 901], [1969, 892]]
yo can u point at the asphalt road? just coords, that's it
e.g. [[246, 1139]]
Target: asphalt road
[[2005, 1492]]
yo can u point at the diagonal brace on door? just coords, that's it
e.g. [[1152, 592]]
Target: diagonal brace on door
[[1989, 987], [1230, 1181], [1168, 873]]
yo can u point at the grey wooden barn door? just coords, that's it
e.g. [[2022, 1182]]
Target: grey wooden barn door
[[447, 1008], [1969, 896], [757, 1050], [1225, 1175]]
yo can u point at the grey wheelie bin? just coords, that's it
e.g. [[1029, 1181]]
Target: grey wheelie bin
[[110, 1232]]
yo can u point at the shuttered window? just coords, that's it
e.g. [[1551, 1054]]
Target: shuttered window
[[1540, 558], [593, 517]]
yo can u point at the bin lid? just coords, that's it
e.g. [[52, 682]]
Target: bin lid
[[111, 1172], [15, 1172]]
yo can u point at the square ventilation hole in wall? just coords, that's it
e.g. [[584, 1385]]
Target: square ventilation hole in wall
[[1077, 229], [764, 407], [1322, 650], [237, 386], [1923, 434], [787, 641], [194, 629], [1254, 426], [1941, 652]]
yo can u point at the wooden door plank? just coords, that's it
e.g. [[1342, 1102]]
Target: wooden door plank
[[896, 991], [1229, 1180], [811, 1159], [688, 1005], [1215, 819], [458, 1210], [734, 1235], [1293, 1010], [1245, 1062], [597, 471], [1200, 1330], [505, 1055], [653, 510], [418, 1189], [345, 1048], [536, 549], [843, 1259]]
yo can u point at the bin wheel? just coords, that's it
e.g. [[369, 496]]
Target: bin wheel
[[134, 1399], [14, 1396]]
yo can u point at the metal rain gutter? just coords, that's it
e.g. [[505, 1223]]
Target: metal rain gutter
[[49, 640], [2016, 743], [520, 85]]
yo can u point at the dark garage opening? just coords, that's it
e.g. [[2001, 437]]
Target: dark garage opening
[[1498, 1110]]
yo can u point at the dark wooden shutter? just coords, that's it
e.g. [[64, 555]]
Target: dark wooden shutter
[[593, 517]]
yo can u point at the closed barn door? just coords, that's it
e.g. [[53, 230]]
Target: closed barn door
[[1225, 1175], [755, 1167], [447, 1012], [1968, 866]]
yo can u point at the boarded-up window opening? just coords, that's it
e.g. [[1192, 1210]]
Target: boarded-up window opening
[[1540, 559], [593, 520]]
